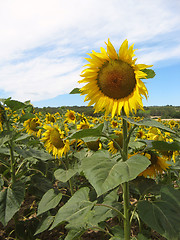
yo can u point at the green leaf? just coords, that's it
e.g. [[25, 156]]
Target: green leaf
[[26, 116], [4, 137], [74, 234], [10, 201], [39, 185], [75, 91], [149, 123], [90, 132], [64, 175], [49, 200], [118, 233], [142, 237], [14, 105], [44, 225], [163, 215], [105, 174], [145, 185], [150, 73], [6, 151], [75, 210], [166, 146], [32, 152]]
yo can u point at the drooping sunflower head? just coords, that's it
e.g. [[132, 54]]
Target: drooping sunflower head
[[94, 145], [113, 80], [54, 142], [157, 166], [31, 126], [118, 139]]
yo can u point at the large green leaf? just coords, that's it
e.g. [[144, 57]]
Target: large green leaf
[[105, 174], [49, 200], [64, 175], [74, 234], [149, 123], [14, 105], [44, 225], [26, 116], [163, 215], [90, 132], [10, 201], [33, 152], [164, 146], [75, 210]]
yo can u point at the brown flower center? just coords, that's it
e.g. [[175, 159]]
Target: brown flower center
[[55, 139], [116, 79], [33, 125], [72, 116]]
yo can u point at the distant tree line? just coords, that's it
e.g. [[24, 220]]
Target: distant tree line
[[167, 111]]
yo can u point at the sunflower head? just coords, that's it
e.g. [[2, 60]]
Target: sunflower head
[[54, 142], [157, 166], [94, 145], [118, 139], [31, 126], [70, 116], [113, 80], [50, 118]]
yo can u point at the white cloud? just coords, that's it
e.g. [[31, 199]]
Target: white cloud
[[43, 42]]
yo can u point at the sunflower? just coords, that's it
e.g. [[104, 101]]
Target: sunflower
[[94, 145], [31, 126], [118, 139], [50, 118], [54, 142], [113, 80], [114, 124], [84, 125], [158, 164], [70, 116]]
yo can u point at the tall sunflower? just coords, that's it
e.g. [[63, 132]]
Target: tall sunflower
[[54, 142], [113, 80]]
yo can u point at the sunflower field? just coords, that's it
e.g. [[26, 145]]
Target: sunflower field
[[69, 176]]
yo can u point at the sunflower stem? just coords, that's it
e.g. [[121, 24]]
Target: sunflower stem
[[11, 148], [125, 185], [69, 181]]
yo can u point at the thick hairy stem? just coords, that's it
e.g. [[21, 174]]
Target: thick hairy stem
[[126, 185]]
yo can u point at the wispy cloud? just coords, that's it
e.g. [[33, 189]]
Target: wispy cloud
[[43, 42]]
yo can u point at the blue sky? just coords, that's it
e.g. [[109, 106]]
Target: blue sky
[[43, 45]]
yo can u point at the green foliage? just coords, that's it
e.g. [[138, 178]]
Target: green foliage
[[10, 201], [97, 131], [105, 174], [150, 73], [85, 189], [76, 210], [163, 215], [75, 91], [49, 200]]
